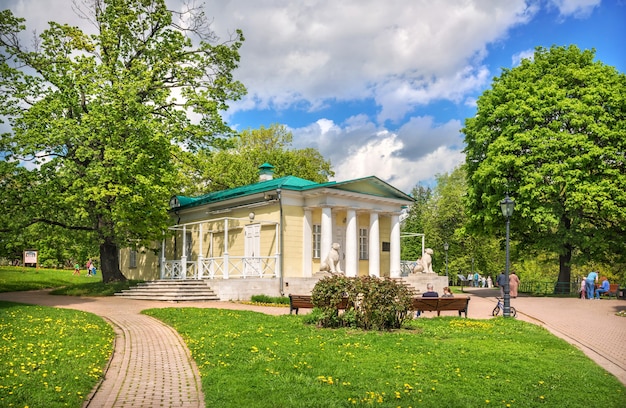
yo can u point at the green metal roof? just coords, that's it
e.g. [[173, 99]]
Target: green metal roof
[[368, 185], [286, 183]]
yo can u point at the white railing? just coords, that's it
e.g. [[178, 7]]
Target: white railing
[[222, 268], [406, 267]]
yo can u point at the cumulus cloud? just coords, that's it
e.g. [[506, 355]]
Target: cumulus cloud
[[516, 59], [417, 152], [401, 54], [575, 8]]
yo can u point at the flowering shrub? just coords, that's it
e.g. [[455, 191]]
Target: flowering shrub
[[367, 302]]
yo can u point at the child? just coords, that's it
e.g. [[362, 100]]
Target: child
[[582, 289], [447, 292], [76, 269]]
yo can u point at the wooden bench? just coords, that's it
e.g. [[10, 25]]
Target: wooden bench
[[613, 291], [426, 304], [297, 302]]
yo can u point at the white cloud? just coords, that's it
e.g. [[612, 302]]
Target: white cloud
[[416, 153], [575, 8], [517, 58], [402, 54]]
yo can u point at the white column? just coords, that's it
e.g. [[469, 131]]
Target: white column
[[352, 255], [226, 257], [374, 245], [277, 264], [163, 258], [394, 255], [307, 242], [200, 263], [183, 259], [327, 232]]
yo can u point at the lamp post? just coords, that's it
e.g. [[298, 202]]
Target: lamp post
[[507, 206], [445, 248]]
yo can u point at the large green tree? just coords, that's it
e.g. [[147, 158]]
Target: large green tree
[[552, 134], [238, 164], [104, 117]]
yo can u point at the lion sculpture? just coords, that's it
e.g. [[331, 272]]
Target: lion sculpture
[[331, 264], [425, 263]]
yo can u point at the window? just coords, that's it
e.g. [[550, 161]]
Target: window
[[317, 241], [132, 262], [363, 244]]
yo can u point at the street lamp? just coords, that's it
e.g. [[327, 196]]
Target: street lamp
[[507, 206], [445, 248]]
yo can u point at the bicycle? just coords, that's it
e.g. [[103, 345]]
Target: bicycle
[[500, 306]]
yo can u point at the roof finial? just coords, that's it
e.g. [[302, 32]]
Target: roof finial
[[266, 172]]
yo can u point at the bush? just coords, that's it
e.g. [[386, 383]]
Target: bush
[[369, 303], [281, 300]]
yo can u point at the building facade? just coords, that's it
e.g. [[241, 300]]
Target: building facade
[[278, 229]]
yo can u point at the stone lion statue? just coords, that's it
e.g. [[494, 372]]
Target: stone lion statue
[[331, 264], [425, 263]]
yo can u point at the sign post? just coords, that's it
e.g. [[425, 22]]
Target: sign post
[[30, 257]]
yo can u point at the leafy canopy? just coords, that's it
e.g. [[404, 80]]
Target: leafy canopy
[[238, 165], [103, 118], [551, 134]]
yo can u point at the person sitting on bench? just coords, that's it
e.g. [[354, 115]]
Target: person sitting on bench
[[430, 292], [604, 287]]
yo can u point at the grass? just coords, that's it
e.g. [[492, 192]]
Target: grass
[[251, 359], [17, 279], [50, 357], [14, 279], [53, 358]]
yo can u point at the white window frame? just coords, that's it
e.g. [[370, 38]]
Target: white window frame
[[363, 244], [132, 259], [317, 241]]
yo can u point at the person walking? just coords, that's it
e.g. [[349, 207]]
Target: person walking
[[501, 281], [513, 284], [591, 280]]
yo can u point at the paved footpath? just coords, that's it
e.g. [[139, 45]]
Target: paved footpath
[[151, 365]]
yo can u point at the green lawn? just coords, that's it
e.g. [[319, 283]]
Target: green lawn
[[14, 279], [50, 357], [53, 357], [254, 360]]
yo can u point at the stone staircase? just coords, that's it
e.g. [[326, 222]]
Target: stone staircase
[[412, 289], [171, 290]]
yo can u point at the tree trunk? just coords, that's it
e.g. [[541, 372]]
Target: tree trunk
[[565, 272], [110, 262]]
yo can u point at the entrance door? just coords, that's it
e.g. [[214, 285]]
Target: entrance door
[[252, 251], [340, 238]]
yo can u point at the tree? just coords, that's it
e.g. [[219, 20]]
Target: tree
[[414, 223], [551, 134], [104, 117], [238, 165]]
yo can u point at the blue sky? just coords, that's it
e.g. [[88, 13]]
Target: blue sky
[[383, 87]]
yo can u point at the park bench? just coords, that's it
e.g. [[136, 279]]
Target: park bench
[[426, 304], [613, 291], [297, 302]]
